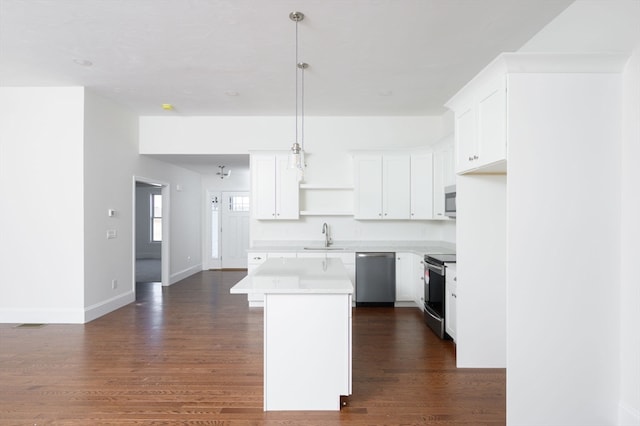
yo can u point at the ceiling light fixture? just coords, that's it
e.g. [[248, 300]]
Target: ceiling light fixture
[[222, 173], [296, 159]]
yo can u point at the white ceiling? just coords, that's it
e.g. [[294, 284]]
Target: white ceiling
[[366, 57]]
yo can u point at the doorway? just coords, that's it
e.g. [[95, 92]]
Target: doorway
[[150, 232], [227, 230]]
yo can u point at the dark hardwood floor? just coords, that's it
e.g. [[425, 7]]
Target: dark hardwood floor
[[192, 354]]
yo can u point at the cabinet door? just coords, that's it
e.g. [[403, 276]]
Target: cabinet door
[[465, 138], [404, 275], [368, 187], [422, 186], [286, 189], [451, 304], [418, 280], [396, 187], [492, 111], [439, 159], [263, 186]]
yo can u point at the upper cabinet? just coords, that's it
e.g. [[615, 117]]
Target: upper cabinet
[[274, 187], [382, 186], [443, 175], [422, 186], [480, 123]]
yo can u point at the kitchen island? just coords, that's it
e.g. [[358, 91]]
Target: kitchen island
[[307, 331]]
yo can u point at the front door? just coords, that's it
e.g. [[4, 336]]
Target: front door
[[235, 229]]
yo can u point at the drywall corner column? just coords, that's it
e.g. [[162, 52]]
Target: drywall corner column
[[563, 239], [481, 270]]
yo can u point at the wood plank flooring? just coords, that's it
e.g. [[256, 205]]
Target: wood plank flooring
[[192, 354]]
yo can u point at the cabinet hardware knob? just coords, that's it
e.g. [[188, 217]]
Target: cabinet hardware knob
[[454, 295], [422, 278], [439, 214], [470, 158], [475, 157], [455, 278], [385, 214]]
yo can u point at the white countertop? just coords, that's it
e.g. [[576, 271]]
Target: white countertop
[[417, 247], [297, 276]]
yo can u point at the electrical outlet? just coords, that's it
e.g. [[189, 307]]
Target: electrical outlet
[[114, 284]]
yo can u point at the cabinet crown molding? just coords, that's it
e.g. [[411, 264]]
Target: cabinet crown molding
[[529, 62]]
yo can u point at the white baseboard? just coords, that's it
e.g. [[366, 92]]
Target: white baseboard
[[181, 275], [405, 304], [41, 316], [627, 415], [102, 308]]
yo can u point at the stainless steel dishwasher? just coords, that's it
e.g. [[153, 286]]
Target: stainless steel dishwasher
[[375, 279]]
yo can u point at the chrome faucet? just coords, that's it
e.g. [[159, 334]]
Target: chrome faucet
[[325, 231]]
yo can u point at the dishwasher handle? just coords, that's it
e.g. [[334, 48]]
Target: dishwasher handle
[[375, 254]]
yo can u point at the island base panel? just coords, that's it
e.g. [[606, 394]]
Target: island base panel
[[307, 351]]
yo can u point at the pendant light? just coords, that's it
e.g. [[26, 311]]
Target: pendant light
[[296, 159]]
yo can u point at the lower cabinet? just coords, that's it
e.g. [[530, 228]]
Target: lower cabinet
[[418, 280], [404, 278], [451, 302]]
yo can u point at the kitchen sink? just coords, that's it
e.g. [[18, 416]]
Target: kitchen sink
[[323, 248]]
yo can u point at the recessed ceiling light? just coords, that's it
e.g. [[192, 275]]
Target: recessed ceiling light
[[167, 107], [83, 62], [231, 93]]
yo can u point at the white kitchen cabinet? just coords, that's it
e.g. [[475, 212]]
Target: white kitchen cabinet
[[274, 187], [253, 261], [421, 186], [382, 186], [451, 301], [418, 280], [405, 288], [480, 122], [443, 175]]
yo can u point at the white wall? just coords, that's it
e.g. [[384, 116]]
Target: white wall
[[41, 211], [239, 135], [629, 410], [77, 153], [563, 240], [111, 162]]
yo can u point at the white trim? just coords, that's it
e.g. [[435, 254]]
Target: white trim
[[180, 275], [166, 223], [41, 316], [106, 306]]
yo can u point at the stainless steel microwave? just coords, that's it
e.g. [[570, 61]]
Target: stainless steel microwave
[[450, 201]]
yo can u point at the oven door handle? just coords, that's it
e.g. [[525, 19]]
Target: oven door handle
[[435, 268]]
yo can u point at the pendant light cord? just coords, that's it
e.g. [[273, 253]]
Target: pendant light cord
[[296, 82]]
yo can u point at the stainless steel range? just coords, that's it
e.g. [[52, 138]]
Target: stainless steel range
[[434, 291]]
